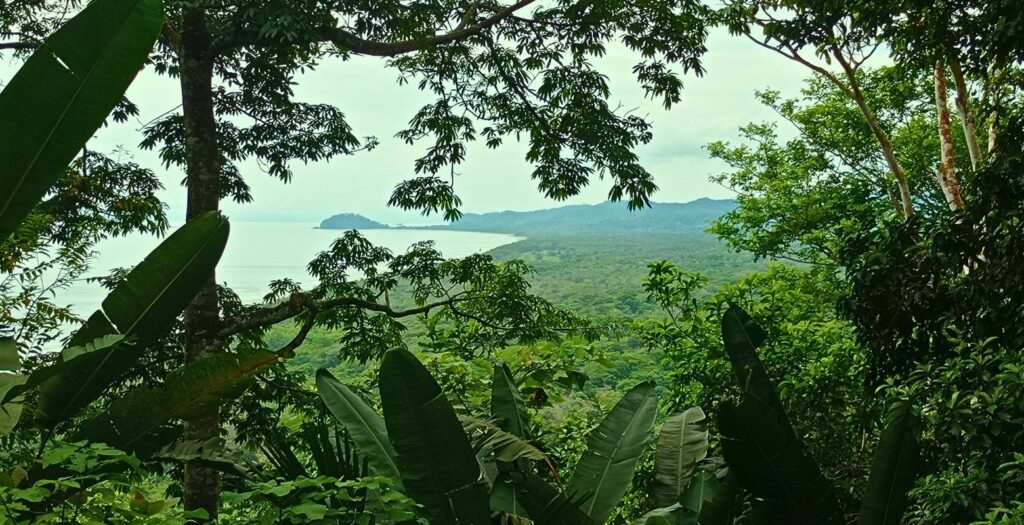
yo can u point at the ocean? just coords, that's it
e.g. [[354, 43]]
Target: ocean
[[258, 252]]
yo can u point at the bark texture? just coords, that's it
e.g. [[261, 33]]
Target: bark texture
[[967, 121], [202, 158], [947, 162]]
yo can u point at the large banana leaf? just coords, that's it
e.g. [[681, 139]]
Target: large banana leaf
[[718, 502], [366, 428], [547, 505], [682, 442], [131, 421], [894, 468], [767, 458], [613, 448], [140, 309], [10, 364], [62, 94], [439, 469], [742, 336], [506, 403]]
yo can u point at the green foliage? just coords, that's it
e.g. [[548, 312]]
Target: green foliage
[[682, 442], [63, 93], [439, 469], [894, 469], [605, 469], [137, 311]]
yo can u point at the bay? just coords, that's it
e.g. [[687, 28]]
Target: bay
[[258, 252]]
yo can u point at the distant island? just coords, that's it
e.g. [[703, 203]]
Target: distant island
[[350, 221], [584, 218]]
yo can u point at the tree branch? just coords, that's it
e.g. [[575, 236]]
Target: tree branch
[[358, 45]]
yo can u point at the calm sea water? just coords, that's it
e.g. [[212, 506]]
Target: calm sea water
[[258, 252]]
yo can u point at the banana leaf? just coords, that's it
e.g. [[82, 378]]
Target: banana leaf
[[613, 448], [767, 459], [10, 364], [439, 469], [682, 442], [507, 404], [62, 94], [140, 309], [366, 428], [132, 421], [894, 468]]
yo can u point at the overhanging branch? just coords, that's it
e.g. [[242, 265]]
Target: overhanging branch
[[361, 46]]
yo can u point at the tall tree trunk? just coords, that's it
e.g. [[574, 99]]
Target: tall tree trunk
[[883, 138], [202, 157], [963, 106], [995, 93], [947, 163]]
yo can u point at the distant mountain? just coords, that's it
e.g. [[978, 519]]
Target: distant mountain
[[605, 217], [350, 221]]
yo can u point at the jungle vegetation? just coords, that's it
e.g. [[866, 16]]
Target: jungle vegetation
[[843, 345]]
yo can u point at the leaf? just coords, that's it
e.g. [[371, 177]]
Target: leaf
[[487, 439], [682, 442], [613, 449], [195, 386], [439, 469], [768, 460], [141, 309], [364, 426], [211, 453], [894, 468], [722, 508], [505, 497], [546, 505], [672, 515], [62, 94], [10, 361], [507, 404], [742, 336]]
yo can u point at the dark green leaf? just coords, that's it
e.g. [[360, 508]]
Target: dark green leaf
[[439, 469], [62, 94], [613, 448], [894, 468]]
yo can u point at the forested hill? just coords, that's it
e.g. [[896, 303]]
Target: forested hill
[[605, 217]]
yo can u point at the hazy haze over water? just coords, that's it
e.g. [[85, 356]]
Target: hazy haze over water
[[258, 252]]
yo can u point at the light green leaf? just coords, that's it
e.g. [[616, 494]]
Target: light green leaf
[[682, 442], [613, 448], [365, 426]]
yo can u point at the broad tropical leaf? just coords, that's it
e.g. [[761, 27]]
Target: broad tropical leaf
[[62, 94], [488, 440], [894, 468], [365, 426], [140, 309], [211, 453], [742, 336], [767, 458], [439, 469], [723, 507], [682, 442], [613, 448], [672, 515], [142, 413], [10, 364], [546, 505], [507, 404]]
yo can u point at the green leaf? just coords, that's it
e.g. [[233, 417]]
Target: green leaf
[[195, 386], [723, 507], [768, 460], [490, 440], [62, 94], [140, 309], [613, 448], [894, 468], [507, 404], [505, 497], [364, 426], [439, 469], [10, 361], [672, 515], [682, 442], [742, 336], [546, 505]]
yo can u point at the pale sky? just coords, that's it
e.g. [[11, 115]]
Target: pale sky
[[713, 107]]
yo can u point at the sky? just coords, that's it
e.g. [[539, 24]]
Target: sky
[[713, 107]]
